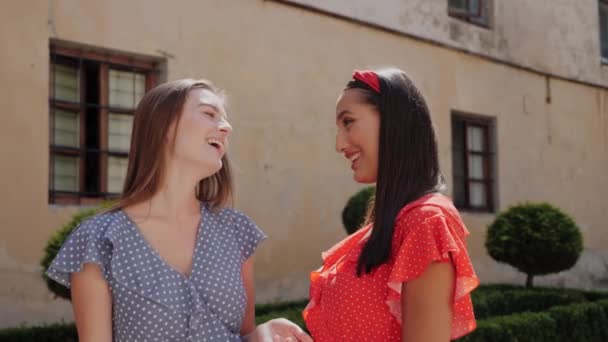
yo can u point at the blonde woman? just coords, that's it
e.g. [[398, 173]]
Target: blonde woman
[[171, 261]]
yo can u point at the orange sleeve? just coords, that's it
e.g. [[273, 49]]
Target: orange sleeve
[[425, 235]]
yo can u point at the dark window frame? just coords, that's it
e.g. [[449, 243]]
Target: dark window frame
[[603, 30], [468, 16], [488, 154], [82, 58]]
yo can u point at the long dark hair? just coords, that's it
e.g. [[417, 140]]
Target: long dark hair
[[408, 166]]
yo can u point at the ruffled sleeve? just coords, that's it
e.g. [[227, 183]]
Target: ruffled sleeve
[[248, 235], [425, 235], [86, 244]]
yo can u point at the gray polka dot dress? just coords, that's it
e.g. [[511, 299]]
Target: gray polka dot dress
[[152, 301]]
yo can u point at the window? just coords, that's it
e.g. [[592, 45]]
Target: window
[[92, 97], [473, 11], [603, 9], [473, 162]]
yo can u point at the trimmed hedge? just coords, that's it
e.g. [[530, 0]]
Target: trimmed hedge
[[523, 327], [58, 332], [581, 322], [500, 303], [508, 311], [290, 310], [264, 309], [292, 314], [66, 332]]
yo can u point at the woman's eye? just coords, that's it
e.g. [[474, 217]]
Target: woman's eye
[[346, 122], [211, 114]]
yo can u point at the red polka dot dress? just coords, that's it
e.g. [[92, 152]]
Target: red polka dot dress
[[344, 307]]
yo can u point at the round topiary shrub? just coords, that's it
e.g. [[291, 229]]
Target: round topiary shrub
[[55, 243], [353, 214], [535, 238]]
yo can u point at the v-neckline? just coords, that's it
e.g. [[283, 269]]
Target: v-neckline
[[199, 230]]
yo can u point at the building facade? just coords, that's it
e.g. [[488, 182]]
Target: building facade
[[518, 92]]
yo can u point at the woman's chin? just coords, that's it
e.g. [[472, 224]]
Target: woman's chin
[[209, 168], [215, 168], [363, 178]]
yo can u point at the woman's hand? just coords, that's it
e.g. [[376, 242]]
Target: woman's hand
[[278, 330]]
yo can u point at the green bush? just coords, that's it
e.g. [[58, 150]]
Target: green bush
[[500, 303], [290, 310], [584, 322], [265, 309], [58, 332], [66, 332], [522, 327], [593, 296], [536, 239], [487, 331], [603, 304], [353, 214], [293, 314], [489, 288], [55, 243]]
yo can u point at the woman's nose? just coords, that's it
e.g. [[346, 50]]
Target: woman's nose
[[225, 127]]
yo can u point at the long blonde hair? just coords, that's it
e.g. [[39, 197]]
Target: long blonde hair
[[155, 113]]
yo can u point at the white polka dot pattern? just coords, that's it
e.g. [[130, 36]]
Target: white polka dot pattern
[[346, 307], [151, 300]]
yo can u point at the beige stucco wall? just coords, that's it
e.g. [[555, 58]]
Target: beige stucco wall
[[283, 68], [559, 37]]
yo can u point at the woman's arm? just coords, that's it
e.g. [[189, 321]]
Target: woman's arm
[[248, 324], [92, 304], [427, 305], [274, 330]]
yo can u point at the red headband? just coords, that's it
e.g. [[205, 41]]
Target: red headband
[[368, 77]]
